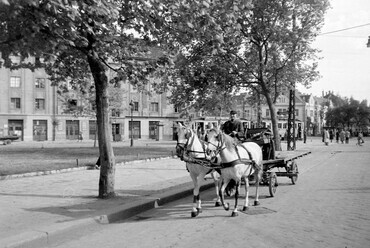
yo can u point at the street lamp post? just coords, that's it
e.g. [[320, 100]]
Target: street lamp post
[[132, 123]]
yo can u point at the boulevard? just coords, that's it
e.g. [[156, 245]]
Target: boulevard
[[328, 207]]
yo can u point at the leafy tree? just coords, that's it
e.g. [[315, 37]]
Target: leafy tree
[[75, 38], [264, 44], [351, 113]]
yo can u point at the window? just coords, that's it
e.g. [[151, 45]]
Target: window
[[116, 113], [40, 83], [72, 104], [134, 107], [281, 99], [40, 104], [247, 113], [267, 112], [311, 113], [296, 112], [15, 82], [154, 107], [15, 103]]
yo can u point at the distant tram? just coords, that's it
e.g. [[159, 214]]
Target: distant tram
[[283, 128]]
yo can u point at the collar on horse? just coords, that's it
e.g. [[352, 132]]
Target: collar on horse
[[240, 160], [190, 159]]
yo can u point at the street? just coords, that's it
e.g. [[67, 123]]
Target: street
[[328, 207]]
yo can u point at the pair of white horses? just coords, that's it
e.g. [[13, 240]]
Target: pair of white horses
[[229, 162]]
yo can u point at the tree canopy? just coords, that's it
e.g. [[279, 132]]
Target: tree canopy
[[263, 45]]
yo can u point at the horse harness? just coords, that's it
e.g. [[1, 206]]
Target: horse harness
[[240, 160], [189, 159]]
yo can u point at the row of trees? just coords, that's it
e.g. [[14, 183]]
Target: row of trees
[[348, 113], [204, 51]]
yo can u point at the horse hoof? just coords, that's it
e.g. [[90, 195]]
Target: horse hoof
[[227, 207], [245, 208], [234, 214], [194, 214], [218, 204], [256, 203], [199, 210]]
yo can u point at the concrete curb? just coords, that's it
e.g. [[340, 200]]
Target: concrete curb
[[44, 173], [56, 233]]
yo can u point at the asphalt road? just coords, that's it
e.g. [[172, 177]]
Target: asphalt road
[[328, 207]]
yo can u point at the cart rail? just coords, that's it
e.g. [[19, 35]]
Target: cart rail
[[284, 157]]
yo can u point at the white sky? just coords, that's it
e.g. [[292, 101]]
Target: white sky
[[345, 63]]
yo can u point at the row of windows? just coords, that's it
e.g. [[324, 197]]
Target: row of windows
[[154, 106], [15, 103], [15, 82], [281, 111]]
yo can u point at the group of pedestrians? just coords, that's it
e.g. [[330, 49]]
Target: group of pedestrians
[[341, 135]]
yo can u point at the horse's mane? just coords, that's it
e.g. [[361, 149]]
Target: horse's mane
[[229, 141]]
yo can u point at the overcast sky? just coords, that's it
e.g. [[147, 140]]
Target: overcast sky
[[345, 63]]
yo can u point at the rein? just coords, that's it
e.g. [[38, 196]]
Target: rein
[[190, 159]]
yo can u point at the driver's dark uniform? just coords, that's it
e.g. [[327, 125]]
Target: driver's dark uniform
[[234, 125]]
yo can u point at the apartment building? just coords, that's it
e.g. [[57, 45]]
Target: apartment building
[[32, 109], [307, 112]]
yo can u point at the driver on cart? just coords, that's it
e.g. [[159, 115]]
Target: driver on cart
[[234, 127]]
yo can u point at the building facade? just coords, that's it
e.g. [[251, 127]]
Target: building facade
[[31, 109]]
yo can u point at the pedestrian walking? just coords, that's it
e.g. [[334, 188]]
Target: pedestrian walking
[[360, 139], [331, 135], [342, 136], [80, 137], [304, 136], [326, 137], [337, 135], [348, 135]]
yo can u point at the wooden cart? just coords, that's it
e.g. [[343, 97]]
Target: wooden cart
[[274, 159]]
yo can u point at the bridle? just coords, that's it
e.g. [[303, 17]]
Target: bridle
[[219, 147], [189, 136]]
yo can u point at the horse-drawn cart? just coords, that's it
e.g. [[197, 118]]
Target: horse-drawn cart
[[275, 159]]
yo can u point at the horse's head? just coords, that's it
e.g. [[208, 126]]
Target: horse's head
[[218, 141], [214, 141], [183, 134]]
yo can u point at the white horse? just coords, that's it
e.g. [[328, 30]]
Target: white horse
[[238, 161], [192, 150]]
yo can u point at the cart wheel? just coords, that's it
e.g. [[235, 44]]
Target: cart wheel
[[272, 184], [294, 169]]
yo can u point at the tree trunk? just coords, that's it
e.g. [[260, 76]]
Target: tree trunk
[[273, 115], [107, 160]]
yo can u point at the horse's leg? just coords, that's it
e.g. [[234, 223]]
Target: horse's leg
[[246, 200], [194, 211], [235, 211], [258, 175], [200, 178], [217, 182], [222, 196]]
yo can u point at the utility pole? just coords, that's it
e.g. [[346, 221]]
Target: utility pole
[[291, 121], [132, 124], [291, 110]]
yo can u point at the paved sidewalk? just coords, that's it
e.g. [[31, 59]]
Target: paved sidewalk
[[36, 211]]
